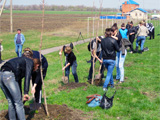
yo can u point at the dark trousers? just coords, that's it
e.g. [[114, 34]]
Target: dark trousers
[[38, 93], [99, 54], [151, 34], [131, 39]]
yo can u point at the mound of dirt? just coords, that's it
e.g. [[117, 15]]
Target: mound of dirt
[[56, 112], [70, 86]]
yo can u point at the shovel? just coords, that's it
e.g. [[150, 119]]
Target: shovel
[[98, 77], [64, 78]]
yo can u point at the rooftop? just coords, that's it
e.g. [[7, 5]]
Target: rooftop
[[140, 10], [131, 2]]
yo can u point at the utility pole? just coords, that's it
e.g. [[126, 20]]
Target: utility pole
[[11, 19]]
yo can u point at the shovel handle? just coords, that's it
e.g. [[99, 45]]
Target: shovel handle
[[100, 67], [62, 64]]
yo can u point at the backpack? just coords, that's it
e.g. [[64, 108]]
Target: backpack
[[94, 100], [91, 46], [106, 102]]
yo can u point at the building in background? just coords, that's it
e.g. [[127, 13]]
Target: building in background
[[138, 13], [131, 10]]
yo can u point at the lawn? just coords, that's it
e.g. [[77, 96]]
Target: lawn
[[136, 99], [59, 12]]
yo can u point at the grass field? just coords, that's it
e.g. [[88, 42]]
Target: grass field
[[138, 98], [60, 12]]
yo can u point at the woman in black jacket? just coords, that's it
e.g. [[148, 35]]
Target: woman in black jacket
[[11, 75], [109, 47]]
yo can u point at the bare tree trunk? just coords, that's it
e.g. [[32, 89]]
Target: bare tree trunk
[[2, 8], [40, 47], [11, 19], [96, 41]]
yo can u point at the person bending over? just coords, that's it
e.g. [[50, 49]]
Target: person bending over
[[36, 75], [71, 62], [11, 75]]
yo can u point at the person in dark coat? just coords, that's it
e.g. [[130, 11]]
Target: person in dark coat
[[11, 75], [132, 33], [36, 75], [109, 47]]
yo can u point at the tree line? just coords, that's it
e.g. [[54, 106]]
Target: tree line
[[59, 8], [67, 8]]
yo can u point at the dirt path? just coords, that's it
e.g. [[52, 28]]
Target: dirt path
[[54, 49]]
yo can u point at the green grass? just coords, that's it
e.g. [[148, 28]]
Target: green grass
[[32, 41], [138, 98], [57, 12]]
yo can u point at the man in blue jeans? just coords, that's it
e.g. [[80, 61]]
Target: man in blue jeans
[[19, 40]]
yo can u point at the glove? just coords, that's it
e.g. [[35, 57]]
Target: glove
[[60, 53]]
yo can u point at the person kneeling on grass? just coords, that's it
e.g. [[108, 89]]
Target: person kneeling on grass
[[71, 62], [11, 75], [109, 47]]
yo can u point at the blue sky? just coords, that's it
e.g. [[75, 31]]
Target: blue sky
[[147, 4]]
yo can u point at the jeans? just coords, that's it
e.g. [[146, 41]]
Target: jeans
[[12, 92], [109, 64], [142, 40], [91, 68], [18, 50], [120, 59], [74, 68]]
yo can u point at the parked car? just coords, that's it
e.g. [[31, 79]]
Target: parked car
[[155, 18]]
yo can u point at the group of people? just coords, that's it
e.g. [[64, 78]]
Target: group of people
[[109, 50], [27, 66]]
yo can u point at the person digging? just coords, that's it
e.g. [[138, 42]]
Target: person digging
[[36, 77], [70, 62], [11, 75], [97, 52]]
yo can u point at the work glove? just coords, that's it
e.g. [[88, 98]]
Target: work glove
[[60, 53]]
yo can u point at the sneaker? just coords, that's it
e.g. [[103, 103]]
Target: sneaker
[[120, 82], [105, 89], [112, 86], [131, 52]]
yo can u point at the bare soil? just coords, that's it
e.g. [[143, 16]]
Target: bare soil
[[56, 112], [70, 86], [33, 21]]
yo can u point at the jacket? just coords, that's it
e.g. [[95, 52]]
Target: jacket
[[124, 44], [21, 67], [142, 31], [123, 33], [36, 76], [109, 47], [22, 39]]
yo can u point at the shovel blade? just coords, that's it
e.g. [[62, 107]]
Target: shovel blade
[[34, 106], [65, 79], [98, 76], [98, 82]]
